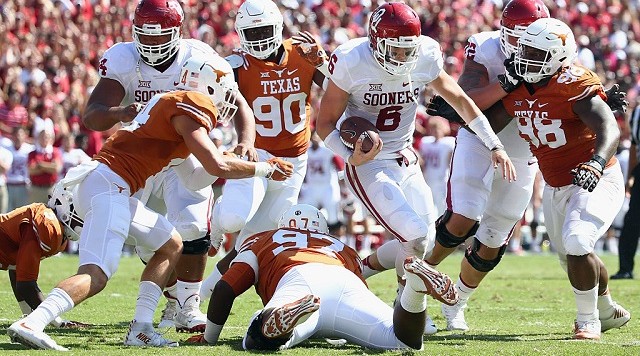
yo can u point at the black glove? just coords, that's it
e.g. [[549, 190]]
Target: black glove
[[616, 98], [587, 174], [510, 80], [439, 107]]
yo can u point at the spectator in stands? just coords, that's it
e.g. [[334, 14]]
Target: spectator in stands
[[6, 158], [18, 175], [44, 164]]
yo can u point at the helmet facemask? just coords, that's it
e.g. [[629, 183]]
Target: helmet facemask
[[156, 54], [61, 202], [509, 39], [398, 56], [262, 41]]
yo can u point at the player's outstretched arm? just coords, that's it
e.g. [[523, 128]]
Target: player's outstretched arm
[[474, 80], [103, 108]]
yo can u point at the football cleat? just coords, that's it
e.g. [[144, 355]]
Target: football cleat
[[34, 339], [282, 320], [143, 334], [197, 339], [190, 319], [430, 327], [454, 314], [587, 330], [168, 313], [422, 278], [618, 319]]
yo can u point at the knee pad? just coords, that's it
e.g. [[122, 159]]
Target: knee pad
[[447, 239], [197, 247], [480, 263], [258, 340]]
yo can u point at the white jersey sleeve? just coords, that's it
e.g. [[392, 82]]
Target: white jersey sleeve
[[118, 61], [430, 61], [484, 48], [346, 64]]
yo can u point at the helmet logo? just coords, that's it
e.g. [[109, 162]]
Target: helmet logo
[[219, 74], [561, 36], [376, 18]]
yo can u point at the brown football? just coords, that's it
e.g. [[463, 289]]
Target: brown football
[[353, 127]]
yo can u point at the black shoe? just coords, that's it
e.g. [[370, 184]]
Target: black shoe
[[622, 275]]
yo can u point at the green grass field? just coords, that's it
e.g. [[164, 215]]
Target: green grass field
[[524, 307]]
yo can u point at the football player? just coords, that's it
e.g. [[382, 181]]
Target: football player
[[379, 78], [311, 284], [275, 76], [435, 152], [170, 127], [131, 74], [476, 192], [28, 235], [560, 111]]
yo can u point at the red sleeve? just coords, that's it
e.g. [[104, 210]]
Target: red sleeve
[[31, 158], [240, 277], [29, 253]]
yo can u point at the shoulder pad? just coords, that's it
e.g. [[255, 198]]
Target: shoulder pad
[[237, 60]]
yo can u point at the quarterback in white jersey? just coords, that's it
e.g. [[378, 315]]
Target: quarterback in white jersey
[[321, 186], [379, 78], [131, 74]]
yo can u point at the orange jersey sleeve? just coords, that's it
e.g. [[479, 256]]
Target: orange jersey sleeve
[[142, 149], [278, 251], [556, 135], [279, 95], [27, 235]]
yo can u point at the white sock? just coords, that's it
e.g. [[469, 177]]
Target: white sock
[[606, 307], [367, 270], [57, 303], [147, 302], [412, 301], [464, 291], [187, 290], [587, 301], [171, 292], [207, 286]]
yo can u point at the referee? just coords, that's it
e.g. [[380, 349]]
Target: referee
[[628, 243]]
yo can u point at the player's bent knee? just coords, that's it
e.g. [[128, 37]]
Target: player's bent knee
[[197, 247], [446, 238], [479, 263]]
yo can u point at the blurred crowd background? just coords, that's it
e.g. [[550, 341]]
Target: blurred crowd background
[[49, 52]]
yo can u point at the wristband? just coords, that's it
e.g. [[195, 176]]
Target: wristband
[[481, 127], [324, 69], [600, 160], [263, 169], [335, 144]]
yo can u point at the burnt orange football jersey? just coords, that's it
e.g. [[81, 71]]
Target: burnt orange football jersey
[[271, 254], [138, 151], [279, 95], [556, 135], [41, 237]]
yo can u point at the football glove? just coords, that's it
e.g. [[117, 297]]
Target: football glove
[[309, 49], [587, 174], [437, 106], [510, 80], [280, 169], [616, 99]]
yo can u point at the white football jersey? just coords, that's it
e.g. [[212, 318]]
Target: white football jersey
[[140, 81], [484, 48], [437, 158], [388, 101], [322, 168]]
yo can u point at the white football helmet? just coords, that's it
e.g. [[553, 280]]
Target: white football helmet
[[304, 217], [259, 14], [213, 77], [61, 201], [546, 46], [154, 18]]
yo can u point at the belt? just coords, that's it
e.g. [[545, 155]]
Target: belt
[[408, 156], [16, 184]]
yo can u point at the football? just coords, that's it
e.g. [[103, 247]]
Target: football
[[353, 127]]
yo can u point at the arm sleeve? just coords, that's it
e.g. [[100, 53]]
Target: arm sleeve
[[240, 276]]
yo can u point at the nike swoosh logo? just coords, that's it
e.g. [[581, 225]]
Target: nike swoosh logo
[[289, 72], [542, 105], [176, 83], [405, 84], [25, 326], [531, 163], [350, 132]]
